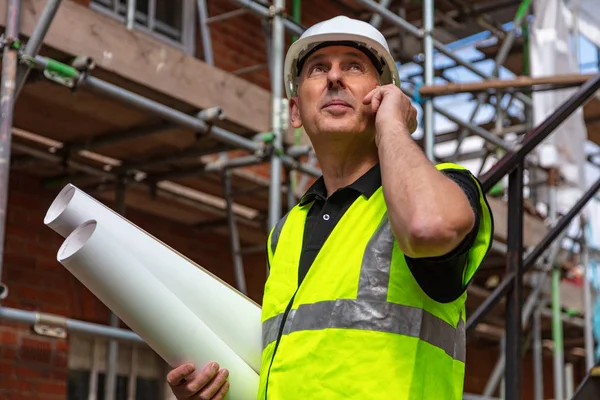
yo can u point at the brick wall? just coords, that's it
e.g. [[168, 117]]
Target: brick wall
[[33, 367], [239, 42]]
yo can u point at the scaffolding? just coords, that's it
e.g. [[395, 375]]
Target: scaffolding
[[19, 59]]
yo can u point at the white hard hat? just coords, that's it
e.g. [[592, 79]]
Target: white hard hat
[[341, 30]]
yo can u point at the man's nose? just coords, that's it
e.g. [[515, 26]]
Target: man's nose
[[335, 78]]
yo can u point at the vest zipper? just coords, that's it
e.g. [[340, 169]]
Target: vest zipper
[[279, 334]]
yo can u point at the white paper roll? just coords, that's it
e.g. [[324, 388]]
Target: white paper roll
[[149, 308], [228, 313]]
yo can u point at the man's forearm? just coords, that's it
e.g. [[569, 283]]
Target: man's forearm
[[430, 214]]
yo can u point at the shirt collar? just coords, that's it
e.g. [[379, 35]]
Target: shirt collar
[[366, 185]]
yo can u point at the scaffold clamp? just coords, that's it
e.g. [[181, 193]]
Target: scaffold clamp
[[50, 325]]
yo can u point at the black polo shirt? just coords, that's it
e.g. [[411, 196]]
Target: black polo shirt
[[440, 277]]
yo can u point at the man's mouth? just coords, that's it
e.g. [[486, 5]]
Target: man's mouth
[[337, 104]]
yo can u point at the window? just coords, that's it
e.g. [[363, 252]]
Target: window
[[170, 20], [141, 373], [78, 387]]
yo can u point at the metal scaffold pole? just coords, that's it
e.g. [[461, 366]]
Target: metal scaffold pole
[[514, 259], [557, 334], [234, 238], [428, 133], [205, 32], [110, 383], [7, 102], [35, 41], [538, 360], [131, 6], [71, 325], [587, 299], [278, 109]]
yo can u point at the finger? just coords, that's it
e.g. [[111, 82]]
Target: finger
[[209, 391], [177, 375], [376, 101], [369, 96], [196, 382], [222, 392]]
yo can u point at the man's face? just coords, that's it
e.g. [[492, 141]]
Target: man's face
[[333, 82]]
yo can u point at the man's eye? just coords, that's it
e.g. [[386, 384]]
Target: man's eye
[[317, 68], [355, 67]]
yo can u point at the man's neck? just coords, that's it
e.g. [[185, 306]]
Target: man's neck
[[342, 168]]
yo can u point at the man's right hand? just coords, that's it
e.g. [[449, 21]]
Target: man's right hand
[[209, 383]]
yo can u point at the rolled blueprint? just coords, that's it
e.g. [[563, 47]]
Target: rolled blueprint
[[148, 307], [228, 313]]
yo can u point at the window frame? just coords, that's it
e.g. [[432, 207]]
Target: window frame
[[188, 22]]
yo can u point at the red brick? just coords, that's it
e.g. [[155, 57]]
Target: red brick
[[48, 239], [23, 291], [22, 199], [20, 232], [8, 337], [41, 251], [24, 372], [17, 259], [8, 352], [50, 296], [16, 384], [49, 264], [36, 350], [61, 359], [17, 215], [8, 302], [59, 374], [61, 345], [6, 367], [57, 309], [57, 388], [14, 245]]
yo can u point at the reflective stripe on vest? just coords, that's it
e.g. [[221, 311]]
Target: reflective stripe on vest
[[371, 311]]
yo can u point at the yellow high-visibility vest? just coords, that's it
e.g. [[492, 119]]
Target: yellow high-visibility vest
[[359, 326]]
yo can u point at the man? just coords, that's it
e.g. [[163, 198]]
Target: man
[[368, 273]]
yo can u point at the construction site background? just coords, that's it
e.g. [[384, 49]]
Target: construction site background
[[34, 366]]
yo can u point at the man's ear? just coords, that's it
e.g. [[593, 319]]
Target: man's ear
[[295, 119]]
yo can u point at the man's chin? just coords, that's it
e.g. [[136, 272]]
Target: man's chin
[[340, 129], [334, 123]]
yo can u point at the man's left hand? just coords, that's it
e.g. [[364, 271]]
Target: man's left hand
[[393, 109]]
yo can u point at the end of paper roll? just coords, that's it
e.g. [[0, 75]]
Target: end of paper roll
[[59, 204], [76, 240]]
